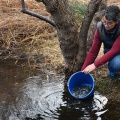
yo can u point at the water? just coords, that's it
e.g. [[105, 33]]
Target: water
[[42, 95], [82, 90]]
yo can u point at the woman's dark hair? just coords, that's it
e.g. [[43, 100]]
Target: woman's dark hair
[[112, 12]]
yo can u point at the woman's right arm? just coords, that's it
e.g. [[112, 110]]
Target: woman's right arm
[[93, 52]]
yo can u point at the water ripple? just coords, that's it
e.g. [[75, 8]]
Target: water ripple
[[44, 100], [41, 98]]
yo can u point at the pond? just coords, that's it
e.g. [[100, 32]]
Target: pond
[[41, 94]]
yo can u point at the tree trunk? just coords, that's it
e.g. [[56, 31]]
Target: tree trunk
[[91, 10], [72, 43], [93, 25], [67, 30]]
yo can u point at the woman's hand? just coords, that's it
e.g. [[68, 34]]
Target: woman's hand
[[89, 68]]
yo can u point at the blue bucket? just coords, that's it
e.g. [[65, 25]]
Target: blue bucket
[[79, 79]]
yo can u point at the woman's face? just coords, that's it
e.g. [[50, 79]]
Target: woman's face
[[108, 24]]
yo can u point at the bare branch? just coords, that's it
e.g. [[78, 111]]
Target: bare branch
[[24, 10]]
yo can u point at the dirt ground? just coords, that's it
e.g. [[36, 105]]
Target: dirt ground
[[115, 2]]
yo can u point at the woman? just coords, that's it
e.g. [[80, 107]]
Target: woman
[[108, 33]]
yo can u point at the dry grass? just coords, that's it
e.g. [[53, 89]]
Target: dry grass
[[105, 85], [21, 33]]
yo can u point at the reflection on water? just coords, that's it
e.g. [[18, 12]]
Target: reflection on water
[[81, 91], [42, 95], [44, 98]]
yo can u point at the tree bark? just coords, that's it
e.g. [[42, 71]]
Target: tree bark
[[91, 10], [67, 30], [72, 44], [93, 25]]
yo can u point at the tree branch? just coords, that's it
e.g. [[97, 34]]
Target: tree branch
[[24, 10], [91, 10]]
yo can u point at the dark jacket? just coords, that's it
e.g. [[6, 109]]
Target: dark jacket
[[107, 37]]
